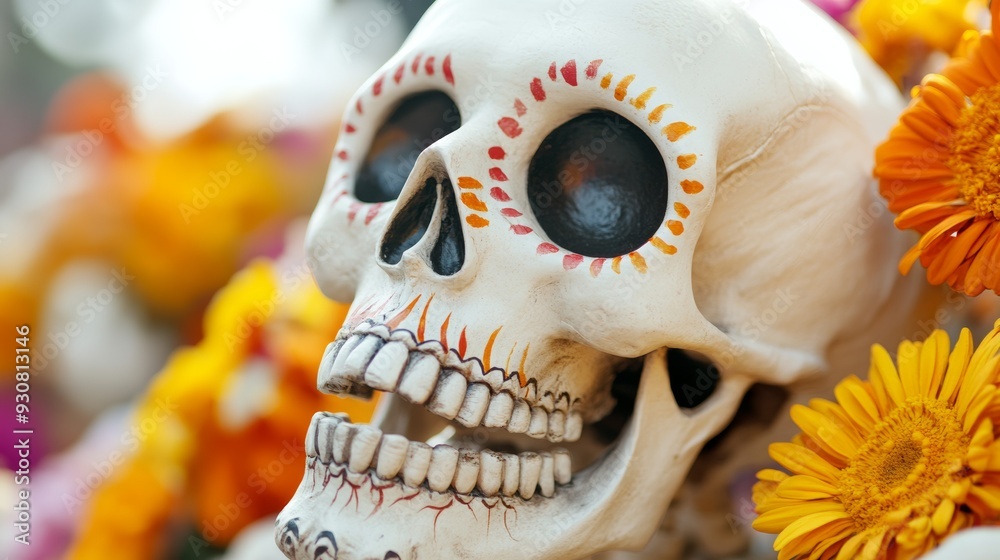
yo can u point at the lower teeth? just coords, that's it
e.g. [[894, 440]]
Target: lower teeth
[[436, 465]]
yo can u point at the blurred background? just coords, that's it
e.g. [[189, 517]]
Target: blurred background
[[157, 160]]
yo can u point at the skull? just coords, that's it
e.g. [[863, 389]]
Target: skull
[[575, 234]]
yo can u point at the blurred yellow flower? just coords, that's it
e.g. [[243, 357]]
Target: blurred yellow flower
[[223, 423], [901, 34]]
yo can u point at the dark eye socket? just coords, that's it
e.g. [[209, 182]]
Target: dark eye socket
[[598, 185], [419, 121]]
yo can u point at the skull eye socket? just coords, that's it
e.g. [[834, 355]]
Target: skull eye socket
[[598, 185], [418, 121]]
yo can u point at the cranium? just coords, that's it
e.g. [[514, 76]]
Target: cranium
[[596, 224]]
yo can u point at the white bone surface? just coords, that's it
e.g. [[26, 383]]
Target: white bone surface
[[779, 268]]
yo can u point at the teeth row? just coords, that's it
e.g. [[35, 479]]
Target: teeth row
[[332, 439], [361, 363]]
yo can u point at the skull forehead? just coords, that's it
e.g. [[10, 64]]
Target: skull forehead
[[689, 49]]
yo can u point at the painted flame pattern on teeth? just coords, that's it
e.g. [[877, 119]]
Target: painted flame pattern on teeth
[[362, 448], [370, 360]]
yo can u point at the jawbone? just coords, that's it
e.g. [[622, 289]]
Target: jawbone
[[615, 504]]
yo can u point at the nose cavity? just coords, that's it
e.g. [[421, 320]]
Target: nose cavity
[[416, 219]]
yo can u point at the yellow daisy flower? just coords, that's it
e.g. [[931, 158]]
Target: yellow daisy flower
[[898, 463]]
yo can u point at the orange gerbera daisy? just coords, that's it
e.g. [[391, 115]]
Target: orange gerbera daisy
[[898, 464], [940, 169]]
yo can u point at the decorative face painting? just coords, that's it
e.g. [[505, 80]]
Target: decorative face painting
[[573, 243]]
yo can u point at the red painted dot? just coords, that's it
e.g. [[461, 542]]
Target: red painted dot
[[499, 194], [415, 67], [358, 107], [547, 248], [496, 152], [593, 67], [552, 72], [497, 174], [446, 68], [596, 266], [429, 66], [520, 108], [398, 76], [518, 229], [510, 212], [377, 87], [572, 261], [372, 212], [349, 128], [352, 212], [510, 127], [569, 72], [337, 197], [342, 154], [537, 91]]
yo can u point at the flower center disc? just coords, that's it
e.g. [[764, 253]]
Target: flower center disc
[[909, 460], [975, 152]]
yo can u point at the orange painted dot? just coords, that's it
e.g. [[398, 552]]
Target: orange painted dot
[[638, 262], [640, 102], [621, 90], [473, 202], [692, 187], [675, 227], [681, 210], [469, 183], [616, 265], [606, 80], [685, 161], [477, 221], [663, 246], [676, 130], [656, 114]]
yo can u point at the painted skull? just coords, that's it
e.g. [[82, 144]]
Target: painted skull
[[575, 234]]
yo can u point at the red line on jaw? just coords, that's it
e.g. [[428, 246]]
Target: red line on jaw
[[423, 319], [395, 321], [444, 332], [489, 349], [462, 344], [522, 377]]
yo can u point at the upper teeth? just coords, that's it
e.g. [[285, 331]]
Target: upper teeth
[[334, 440], [372, 361]]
